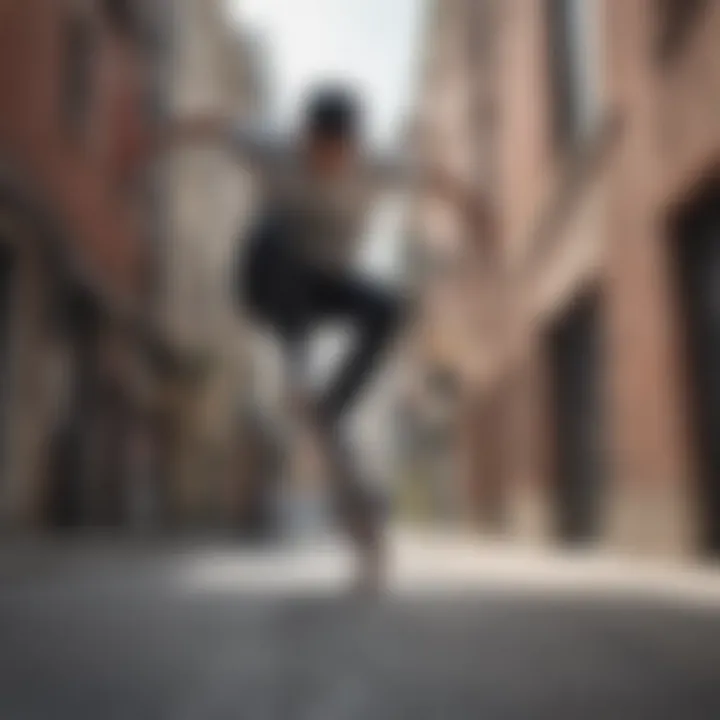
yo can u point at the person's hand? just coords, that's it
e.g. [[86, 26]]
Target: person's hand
[[445, 184], [473, 204]]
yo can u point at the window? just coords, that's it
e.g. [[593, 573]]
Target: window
[[677, 20], [572, 27], [78, 75], [122, 15]]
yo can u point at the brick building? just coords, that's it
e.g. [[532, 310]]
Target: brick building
[[75, 265], [454, 347], [599, 136]]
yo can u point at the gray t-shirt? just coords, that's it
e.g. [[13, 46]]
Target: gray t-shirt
[[327, 217]]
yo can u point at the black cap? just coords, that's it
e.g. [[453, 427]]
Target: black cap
[[333, 112]]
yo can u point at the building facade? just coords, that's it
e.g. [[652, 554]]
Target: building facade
[[213, 68], [599, 382], [452, 344], [73, 128]]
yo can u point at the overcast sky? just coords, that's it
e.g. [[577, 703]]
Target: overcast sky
[[373, 43]]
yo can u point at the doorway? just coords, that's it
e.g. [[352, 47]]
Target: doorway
[[696, 260], [71, 484], [7, 262], [574, 355]]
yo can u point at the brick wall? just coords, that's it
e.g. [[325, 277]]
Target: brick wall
[[80, 176], [595, 215], [78, 166]]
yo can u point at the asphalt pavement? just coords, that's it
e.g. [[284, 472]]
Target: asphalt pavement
[[94, 631]]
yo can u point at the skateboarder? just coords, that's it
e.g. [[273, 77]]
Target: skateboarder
[[315, 193]]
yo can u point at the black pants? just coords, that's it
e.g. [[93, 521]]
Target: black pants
[[293, 297]]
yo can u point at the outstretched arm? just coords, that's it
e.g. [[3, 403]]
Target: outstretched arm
[[217, 130], [196, 130], [474, 205], [440, 183]]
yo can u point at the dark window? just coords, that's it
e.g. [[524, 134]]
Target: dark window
[[576, 377], [123, 16], [78, 66], [566, 100], [677, 20], [6, 274], [696, 261]]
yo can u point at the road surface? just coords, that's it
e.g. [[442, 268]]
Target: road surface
[[96, 631]]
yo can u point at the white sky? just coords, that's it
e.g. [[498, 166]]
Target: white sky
[[372, 43]]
